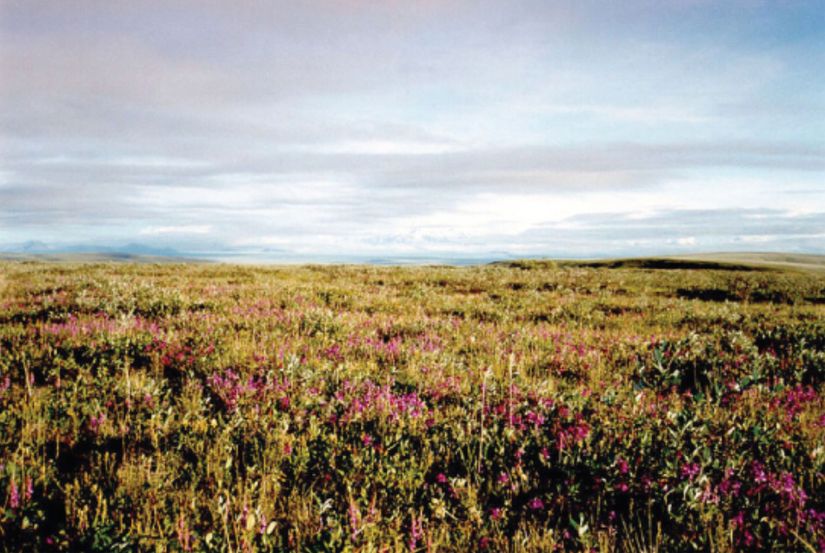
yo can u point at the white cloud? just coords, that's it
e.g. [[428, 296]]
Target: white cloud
[[181, 229], [152, 162], [383, 147], [456, 126]]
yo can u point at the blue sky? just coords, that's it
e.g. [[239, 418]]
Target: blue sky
[[432, 127]]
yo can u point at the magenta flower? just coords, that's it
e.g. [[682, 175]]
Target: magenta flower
[[690, 471], [96, 422], [184, 535], [416, 532], [729, 486], [333, 353], [14, 495], [759, 474], [536, 504], [535, 419]]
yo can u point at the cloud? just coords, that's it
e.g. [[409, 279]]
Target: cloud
[[181, 229], [403, 126]]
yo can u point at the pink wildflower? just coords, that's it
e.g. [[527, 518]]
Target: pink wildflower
[[184, 535], [416, 532], [96, 422], [536, 504], [14, 495], [690, 471]]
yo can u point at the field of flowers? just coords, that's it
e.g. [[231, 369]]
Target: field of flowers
[[514, 407]]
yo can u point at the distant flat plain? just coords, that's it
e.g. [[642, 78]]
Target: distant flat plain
[[720, 260]]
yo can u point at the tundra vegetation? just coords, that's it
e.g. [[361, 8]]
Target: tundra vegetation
[[527, 406]]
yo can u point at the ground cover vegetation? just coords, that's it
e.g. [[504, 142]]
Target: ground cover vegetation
[[522, 406]]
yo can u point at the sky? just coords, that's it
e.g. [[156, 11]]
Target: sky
[[324, 128]]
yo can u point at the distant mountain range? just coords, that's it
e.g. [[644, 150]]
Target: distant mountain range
[[135, 251], [132, 248]]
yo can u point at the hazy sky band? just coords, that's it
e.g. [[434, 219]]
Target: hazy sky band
[[531, 128]]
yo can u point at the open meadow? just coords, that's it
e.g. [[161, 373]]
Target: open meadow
[[524, 406]]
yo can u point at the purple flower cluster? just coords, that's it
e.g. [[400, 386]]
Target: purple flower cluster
[[368, 400]]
